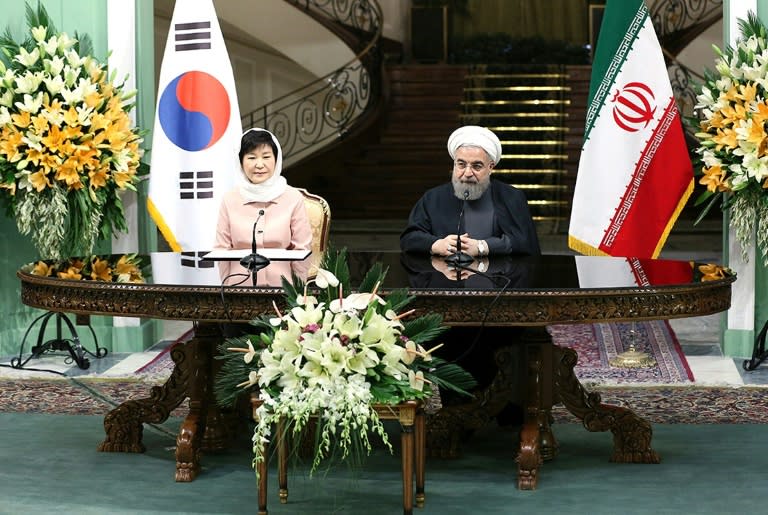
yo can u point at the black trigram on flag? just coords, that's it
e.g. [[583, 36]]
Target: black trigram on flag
[[194, 260], [196, 185], [192, 36]]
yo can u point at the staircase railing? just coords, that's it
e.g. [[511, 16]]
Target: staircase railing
[[324, 110], [677, 22], [678, 15]]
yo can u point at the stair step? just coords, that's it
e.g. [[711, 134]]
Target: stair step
[[510, 76], [499, 89], [545, 143], [424, 102], [426, 73], [540, 187], [534, 156], [537, 114], [426, 88], [553, 203], [523, 128], [515, 102], [529, 171]]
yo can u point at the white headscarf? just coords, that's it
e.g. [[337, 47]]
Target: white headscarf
[[272, 187], [475, 136]]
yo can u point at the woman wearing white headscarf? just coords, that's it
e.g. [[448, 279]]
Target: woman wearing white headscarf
[[284, 223], [496, 219]]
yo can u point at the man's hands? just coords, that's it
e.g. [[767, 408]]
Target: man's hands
[[447, 246], [454, 274]]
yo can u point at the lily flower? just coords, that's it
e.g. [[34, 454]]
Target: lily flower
[[54, 65], [50, 46], [39, 33], [28, 59]]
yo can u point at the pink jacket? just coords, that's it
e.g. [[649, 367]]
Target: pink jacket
[[284, 225]]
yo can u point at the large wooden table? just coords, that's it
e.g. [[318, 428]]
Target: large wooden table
[[527, 293]]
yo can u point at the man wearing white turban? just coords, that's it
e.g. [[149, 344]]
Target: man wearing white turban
[[496, 218]]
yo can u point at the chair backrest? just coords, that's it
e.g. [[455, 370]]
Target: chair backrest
[[319, 213]]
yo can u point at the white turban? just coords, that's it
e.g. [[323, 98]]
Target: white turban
[[475, 136]]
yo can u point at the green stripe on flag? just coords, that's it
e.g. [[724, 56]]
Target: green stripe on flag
[[619, 29]]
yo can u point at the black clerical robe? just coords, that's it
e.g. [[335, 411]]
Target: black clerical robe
[[436, 215]]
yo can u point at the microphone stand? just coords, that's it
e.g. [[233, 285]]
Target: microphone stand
[[460, 258], [254, 261]]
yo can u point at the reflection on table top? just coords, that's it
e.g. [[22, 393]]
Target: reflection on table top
[[531, 290]]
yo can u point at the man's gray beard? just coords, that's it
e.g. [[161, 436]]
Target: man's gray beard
[[475, 189]]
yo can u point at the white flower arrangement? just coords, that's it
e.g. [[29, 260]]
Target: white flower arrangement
[[733, 118], [332, 356], [67, 145]]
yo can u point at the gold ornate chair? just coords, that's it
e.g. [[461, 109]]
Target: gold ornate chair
[[319, 213]]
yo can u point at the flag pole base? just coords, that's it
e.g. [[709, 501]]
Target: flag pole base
[[632, 358]]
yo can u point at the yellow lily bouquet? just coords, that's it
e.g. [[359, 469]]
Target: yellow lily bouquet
[[125, 268], [733, 133], [332, 354], [67, 147]]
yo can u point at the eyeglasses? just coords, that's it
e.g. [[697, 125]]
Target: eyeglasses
[[477, 166]]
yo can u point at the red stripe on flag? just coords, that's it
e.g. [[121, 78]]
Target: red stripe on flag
[[655, 272], [661, 178]]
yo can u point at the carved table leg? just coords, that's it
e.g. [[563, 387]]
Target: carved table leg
[[631, 434], [200, 389], [446, 428], [124, 424], [534, 432]]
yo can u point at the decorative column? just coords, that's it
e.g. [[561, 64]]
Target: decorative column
[[134, 63], [749, 301]]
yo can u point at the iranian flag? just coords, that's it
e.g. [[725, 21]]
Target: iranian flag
[[635, 174]]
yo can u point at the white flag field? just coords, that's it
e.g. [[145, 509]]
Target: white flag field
[[635, 174], [197, 129]]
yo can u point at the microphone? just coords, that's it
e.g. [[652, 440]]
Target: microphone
[[460, 258], [254, 261]]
